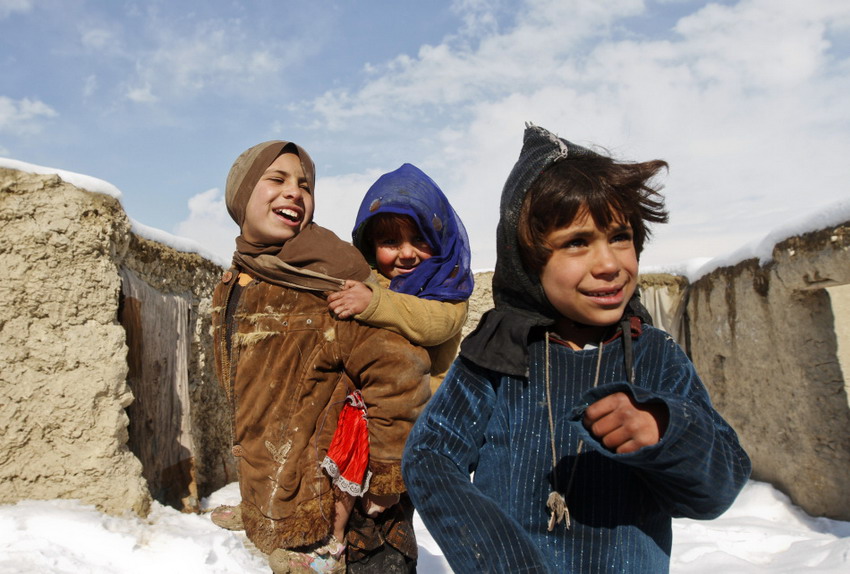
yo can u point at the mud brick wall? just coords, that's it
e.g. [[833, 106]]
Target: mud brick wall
[[771, 343], [64, 392]]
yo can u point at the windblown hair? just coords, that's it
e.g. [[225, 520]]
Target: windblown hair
[[613, 193]]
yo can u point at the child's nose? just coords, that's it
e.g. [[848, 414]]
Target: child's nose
[[606, 262], [292, 191], [407, 251]]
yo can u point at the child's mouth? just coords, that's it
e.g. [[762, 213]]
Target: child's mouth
[[611, 296], [289, 215]]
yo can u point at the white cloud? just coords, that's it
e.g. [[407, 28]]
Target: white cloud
[[220, 56], [478, 16], [97, 38], [338, 199], [746, 101], [209, 224], [9, 7], [460, 72], [24, 116], [142, 94], [759, 44], [90, 86]]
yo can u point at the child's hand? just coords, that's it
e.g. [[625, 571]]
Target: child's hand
[[373, 504], [625, 426], [353, 299]]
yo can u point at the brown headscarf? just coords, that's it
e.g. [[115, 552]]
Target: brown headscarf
[[315, 259]]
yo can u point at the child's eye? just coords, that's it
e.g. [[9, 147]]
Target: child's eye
[[388, 241], [574, 244], [622, 236]]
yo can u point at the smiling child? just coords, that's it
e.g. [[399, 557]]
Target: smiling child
[[585, 429], [287, 365], [408, 231]]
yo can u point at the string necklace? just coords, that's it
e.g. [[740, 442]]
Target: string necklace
[[557, 502]]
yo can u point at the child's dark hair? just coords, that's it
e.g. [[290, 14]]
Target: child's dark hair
[[385, 225], [607, 189]]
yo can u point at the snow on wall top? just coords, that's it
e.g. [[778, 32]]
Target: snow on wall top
[[95, 185], [829, 216]]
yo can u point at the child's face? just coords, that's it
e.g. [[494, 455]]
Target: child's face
[[592, 272], [400, 252], [281, 204]]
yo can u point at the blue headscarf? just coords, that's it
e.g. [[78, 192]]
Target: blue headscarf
[[446, 275]]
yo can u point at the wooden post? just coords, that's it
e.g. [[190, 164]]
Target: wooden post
[[160, 429]]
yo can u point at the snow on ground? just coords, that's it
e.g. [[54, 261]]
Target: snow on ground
[[762, 532]]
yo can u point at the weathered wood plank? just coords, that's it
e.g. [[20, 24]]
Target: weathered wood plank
[[160, 422]]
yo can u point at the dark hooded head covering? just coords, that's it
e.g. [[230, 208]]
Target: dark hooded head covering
[[315, 259], [446, 275], [522, 311]]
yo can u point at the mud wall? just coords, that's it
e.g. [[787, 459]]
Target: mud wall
[[769, 341], [666, 297], [64, 357], [203, 434]]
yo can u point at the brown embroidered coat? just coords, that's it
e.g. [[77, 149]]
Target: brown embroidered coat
[[286, 365]]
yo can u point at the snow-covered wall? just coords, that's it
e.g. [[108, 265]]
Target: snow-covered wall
[[769, 339], [64, 357]]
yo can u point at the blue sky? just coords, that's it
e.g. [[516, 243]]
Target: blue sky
[[747, 100]]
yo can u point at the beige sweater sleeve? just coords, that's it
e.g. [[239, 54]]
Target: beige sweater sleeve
[[421, 321]]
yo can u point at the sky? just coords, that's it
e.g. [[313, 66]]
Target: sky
[[763, 532], [745, 99]]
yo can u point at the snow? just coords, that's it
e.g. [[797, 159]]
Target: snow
[[762, 532], [96, 185], [833, 214], [830, 216], [82, 181], [178, 243]]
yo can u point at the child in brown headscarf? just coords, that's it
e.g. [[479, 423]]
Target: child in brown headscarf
[[287, 365]]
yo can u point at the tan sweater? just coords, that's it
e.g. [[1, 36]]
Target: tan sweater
[[435, 325]]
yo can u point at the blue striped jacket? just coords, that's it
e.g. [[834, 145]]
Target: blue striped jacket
[[496, 428]]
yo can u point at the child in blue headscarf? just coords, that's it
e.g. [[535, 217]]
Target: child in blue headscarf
[[409, 233]]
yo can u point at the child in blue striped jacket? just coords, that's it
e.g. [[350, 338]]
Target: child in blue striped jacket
[[585, 428]]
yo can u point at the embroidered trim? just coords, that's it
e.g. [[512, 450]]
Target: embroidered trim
[[345, 485]]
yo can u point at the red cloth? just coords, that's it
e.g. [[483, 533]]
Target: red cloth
[[347, 461]]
